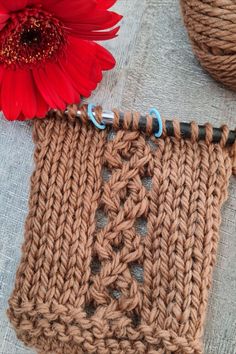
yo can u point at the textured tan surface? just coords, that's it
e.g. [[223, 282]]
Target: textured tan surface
[[77, 289], [155, 67]]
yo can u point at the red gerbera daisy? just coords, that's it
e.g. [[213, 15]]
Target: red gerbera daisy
[[47, 55]]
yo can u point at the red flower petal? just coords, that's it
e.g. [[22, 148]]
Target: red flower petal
[[85, 71], [3, 20], [33, 105], [61, 83], [86, 18], [96, 35], [47, 90], [10, 89], [16, 5], [75, 8], [3, 9], [28, 101], [16, 104], [106, 4], [42, 106], [55, 86], [105, 58], [4, 16], [94, 32]]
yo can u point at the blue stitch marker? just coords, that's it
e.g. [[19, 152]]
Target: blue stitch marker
[[92, 117], [154, 112]]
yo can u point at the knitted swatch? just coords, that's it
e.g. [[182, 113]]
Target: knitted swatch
[[89, 286]]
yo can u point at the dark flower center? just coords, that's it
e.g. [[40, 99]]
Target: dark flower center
[[31, 38]]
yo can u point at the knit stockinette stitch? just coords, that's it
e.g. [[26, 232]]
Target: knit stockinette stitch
[[76, 290]]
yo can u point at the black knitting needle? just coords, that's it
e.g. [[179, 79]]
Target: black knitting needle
[[185, 128]]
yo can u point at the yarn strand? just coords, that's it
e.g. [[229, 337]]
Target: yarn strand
[[211, 27]]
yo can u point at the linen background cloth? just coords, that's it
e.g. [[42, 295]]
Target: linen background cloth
[[155, 67]]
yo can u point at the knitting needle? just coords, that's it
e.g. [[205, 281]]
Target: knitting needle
[[185, 128]]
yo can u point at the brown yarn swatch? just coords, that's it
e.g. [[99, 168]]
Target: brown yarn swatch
[[90, 279], [211, 25]]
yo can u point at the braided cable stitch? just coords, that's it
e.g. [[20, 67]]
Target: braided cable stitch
[[76, 290]]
